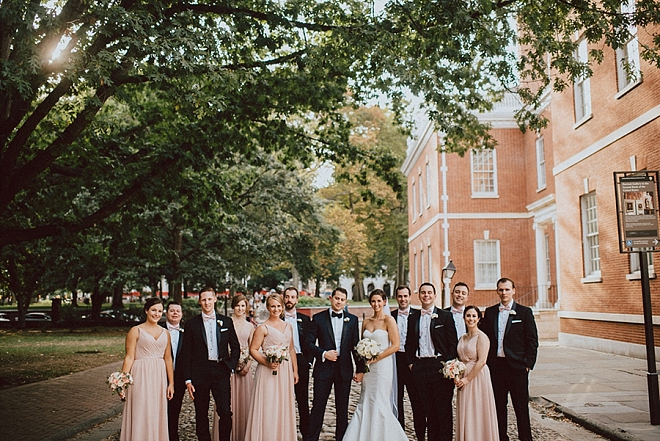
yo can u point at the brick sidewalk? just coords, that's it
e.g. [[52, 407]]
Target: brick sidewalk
[[57, 409]]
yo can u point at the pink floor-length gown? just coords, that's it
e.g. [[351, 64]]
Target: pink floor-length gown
[[241, 393], [476, 417], [145, 411], [272, 415]]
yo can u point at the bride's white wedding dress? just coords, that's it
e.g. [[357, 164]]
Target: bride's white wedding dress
[[373, 418]]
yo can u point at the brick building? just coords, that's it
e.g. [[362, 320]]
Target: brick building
[[540, 208]]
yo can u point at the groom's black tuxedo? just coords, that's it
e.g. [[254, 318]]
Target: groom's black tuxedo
[[509, 374], [210, 376], [435, 414], [174, 405], [403, 373], [321, 338]]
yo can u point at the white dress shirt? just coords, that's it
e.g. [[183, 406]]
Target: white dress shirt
[[210, 327], [337, 328], [459, 321], [426, 348], [174, 334], [501, 328], [402, 324], [293, 321]]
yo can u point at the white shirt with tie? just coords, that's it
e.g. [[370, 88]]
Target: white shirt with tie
[[337, 328], [292, 319], [402, 324], [459, 321], [174, 334], [210, 327], [426, 348], [503, 318]]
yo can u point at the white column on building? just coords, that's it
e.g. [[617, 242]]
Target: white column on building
[[557, 263], [541, 272]]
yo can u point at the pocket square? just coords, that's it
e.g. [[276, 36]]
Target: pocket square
[[516, 321], [438, 326], [224, 329]]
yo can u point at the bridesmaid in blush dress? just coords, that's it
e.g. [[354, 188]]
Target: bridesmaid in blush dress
[[476, 417], [149, 360], [272, 415], [242, 382]]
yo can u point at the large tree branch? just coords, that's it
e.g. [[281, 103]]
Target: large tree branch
[[17, 235]]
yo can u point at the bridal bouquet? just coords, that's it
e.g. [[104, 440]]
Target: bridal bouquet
[[243, 358], [276, 354], [368, 349], [453, 368], [119, 382]]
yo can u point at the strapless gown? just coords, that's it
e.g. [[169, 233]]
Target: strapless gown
[[373, 418]]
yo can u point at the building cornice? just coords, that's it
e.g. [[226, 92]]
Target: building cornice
[[413, 154], [608, 140], [439, 217]]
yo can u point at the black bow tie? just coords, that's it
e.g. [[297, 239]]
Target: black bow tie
[[337, 314]]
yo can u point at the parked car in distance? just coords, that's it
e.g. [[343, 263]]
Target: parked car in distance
[[114, 317], [4, 317], [37, 317]]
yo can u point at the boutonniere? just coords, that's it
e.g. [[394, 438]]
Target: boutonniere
[[299, 320], [219, 322], [512, 312], [434, 316], [346, 320], [181, 330]]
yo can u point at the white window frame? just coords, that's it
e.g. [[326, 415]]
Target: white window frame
[[582, 87], [627, 57], [422, 264], [430, 258], [428, 186], [540, 164], [494, 266], [636, 267], [590, 238], [477, 169], [421, 195], [546, 239], [416, 270], [414, 201]]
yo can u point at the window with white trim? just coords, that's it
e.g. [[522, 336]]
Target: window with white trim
[[414, 201], [582, 85], [428, 186], [430, 257], [421, 260], [421, 196], [627, 57], [590, 239], [540, 164], [417, 283], [486, 263], [484, 173], [546, 239], [636, 264]]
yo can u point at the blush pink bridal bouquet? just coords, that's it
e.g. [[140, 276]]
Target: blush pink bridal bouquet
[[276, 354], [119, 382], [453, 368]]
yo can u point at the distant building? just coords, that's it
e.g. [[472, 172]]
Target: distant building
[[540, 208]]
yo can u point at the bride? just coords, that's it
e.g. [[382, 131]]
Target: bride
[[373, 418]]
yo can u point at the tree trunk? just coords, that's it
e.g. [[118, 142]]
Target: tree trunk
[[358, 292], [401, 268], [175, 283], [117, 296], [97, 301]]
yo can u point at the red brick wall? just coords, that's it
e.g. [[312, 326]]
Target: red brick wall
[[624, 332]]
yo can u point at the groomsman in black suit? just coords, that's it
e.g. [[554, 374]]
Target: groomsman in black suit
[[173, 315], [514, 343], [459, 297], [402, 315], [300, 324], [332, 338], [210, 355], [432, 340]]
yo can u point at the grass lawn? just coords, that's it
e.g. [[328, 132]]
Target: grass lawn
[[30, 356]]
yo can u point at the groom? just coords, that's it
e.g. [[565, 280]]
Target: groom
[[431, 340], [210, 354], [331, 340]]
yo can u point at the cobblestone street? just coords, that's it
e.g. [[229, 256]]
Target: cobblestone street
[[547, 425]]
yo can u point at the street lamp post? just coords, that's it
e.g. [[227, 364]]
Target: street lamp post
[[447, 274]]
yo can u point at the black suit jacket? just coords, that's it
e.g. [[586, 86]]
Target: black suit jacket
[[303, 322], [443, 335], [521, 340], [321, 338], [194, 358]]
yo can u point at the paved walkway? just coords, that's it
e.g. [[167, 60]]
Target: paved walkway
[[606, 393]]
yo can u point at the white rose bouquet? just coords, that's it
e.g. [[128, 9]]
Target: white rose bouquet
[[453, 368], [368, 349], [276, 354], [243, 358], [119, 382]]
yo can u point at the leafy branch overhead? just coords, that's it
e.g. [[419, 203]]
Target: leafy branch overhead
[[101, 102]]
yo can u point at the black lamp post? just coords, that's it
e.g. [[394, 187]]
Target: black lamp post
[[447, 274]]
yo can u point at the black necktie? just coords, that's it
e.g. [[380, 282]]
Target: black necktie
[[336, 314]]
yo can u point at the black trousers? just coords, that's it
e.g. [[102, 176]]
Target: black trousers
[[507, 380], [217, 383], [434, 416], [174, 408], [302, 395], [404, 379], [321, 393]]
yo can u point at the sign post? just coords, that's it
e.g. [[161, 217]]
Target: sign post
[[637, 219]]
